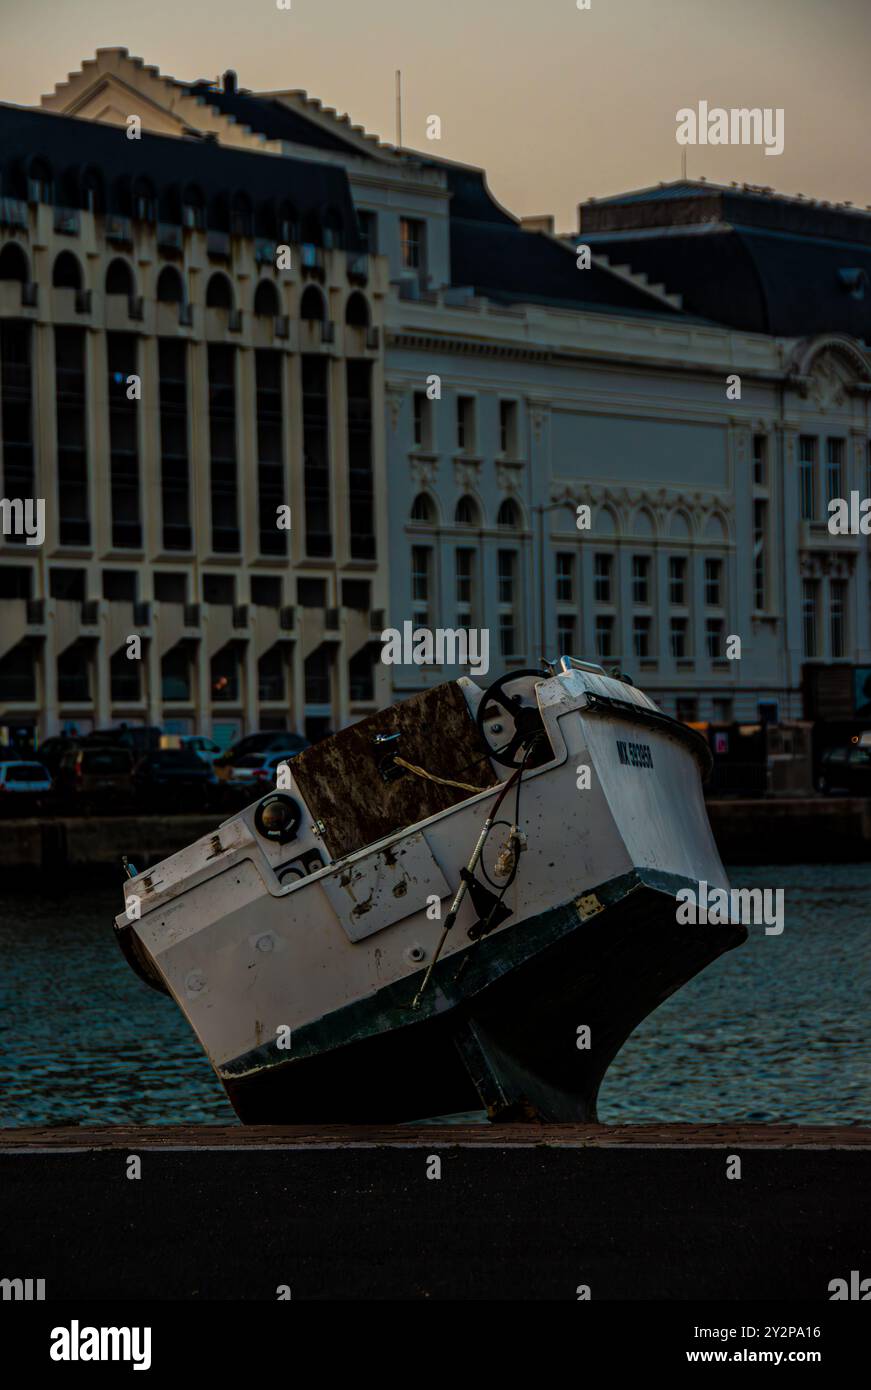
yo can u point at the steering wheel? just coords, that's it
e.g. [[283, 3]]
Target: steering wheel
[[527, 720]]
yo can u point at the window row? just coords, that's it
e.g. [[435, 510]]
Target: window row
[[465, 425]]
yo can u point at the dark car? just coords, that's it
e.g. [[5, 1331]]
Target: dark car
[[846, 769], [52, 752], [96, 776], [173, 777], [275, 741]]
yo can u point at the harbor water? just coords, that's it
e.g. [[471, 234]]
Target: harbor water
[[772, 1032]]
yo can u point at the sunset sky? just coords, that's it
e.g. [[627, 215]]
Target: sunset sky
[[558, 104]]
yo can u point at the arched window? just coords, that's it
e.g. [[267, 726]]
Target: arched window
[[423, 509], [467, 512], [193, 213], [508, 515], [14, 264], [170, 286], [311, 229], [357, 311], [119, 278], [313, 306], [66, 273], [219, 293], [332, 228], [288, 223], [266, 303], [40, 185], [144, 201], [241, 218], [93, 191]]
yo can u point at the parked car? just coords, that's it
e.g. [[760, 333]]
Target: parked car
[[171, 777], [257, 773], [275, 741], [846, 769], [24, 786], [96, 774], [138, 738], [205, 748], [52, 752]]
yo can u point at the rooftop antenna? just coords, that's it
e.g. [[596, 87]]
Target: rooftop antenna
[[398, 109], [683, 164]]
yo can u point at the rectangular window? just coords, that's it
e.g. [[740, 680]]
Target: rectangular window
[[270, 465], [421, 420], [123, 447], [641, 637], [466, 424], [807, 467], [421, 582], [565, 577], [713, 583], [174, 457], [465, 562], [565, 629], [714, 638], [834, 469], [508, 428], [809, 615], [316, 459], [602, 569], [74, 527], [361, 492], [412, 243], [677, 581], [368, 224], [640, 579], [760, 533], [222, 449], [760, 460], [604, 635], [838, 617], [507, 591], [679, 638]]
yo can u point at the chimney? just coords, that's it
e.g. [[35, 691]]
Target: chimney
[[230, 82]]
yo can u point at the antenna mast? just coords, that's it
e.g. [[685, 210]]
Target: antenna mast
[[398, 109]]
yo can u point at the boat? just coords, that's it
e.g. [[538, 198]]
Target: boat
[[463, 902]]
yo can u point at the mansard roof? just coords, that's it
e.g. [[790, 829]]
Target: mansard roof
[[743, 256], [68, 147]]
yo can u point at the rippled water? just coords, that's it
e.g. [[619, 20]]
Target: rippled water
[[775, 1031]]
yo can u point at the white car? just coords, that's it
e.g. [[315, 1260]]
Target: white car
[[205, 748], [258, 770], [24, 779]]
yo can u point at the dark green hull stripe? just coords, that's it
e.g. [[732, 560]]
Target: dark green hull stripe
[[389, 1009]]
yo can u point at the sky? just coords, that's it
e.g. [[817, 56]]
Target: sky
[[558, 104]]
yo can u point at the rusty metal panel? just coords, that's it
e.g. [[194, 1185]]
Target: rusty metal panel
[[341, 780], [385, 887]]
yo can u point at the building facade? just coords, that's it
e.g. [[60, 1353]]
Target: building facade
[[434, 387]]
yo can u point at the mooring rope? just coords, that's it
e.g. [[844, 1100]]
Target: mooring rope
[[443, 781]]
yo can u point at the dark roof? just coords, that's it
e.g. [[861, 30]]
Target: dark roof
[[744, 257], [71, 146], [498, 258], [274, 119]]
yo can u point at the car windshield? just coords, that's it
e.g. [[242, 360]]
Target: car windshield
[[251, 760], [27, 772]]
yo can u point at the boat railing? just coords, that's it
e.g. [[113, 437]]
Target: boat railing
[[573, 663]]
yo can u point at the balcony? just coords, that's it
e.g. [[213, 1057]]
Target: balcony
[[119, 229], [357, 267], [282, 326], [13, 213], [169, 238], [234, 321], [67, 221]]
